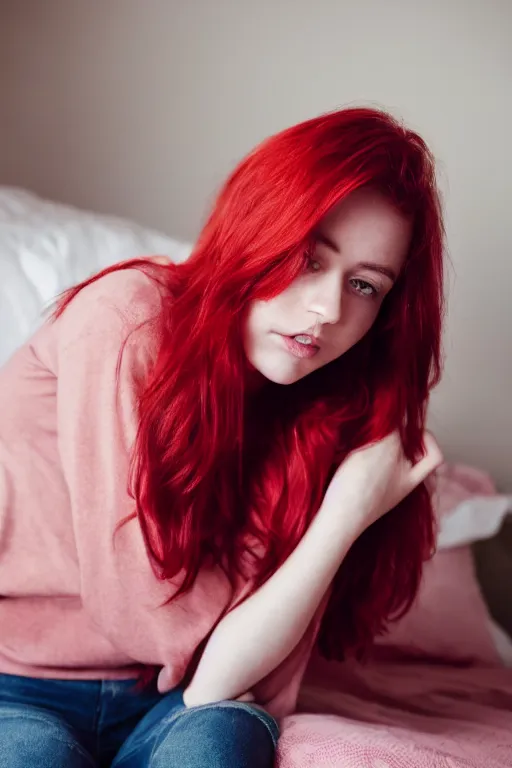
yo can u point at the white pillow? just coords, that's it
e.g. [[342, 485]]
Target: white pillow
[[46, 247], [478, 518]]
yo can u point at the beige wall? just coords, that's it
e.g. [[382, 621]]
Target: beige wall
[[140, 107]]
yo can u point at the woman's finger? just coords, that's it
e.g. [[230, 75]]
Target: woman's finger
[[431, 461], [248, 697]]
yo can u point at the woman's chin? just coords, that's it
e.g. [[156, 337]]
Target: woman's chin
[[278, 366], [282, 375]]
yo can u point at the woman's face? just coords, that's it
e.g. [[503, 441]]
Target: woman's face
[[361, 246]]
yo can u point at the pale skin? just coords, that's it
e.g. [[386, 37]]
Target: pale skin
[[361, 247]]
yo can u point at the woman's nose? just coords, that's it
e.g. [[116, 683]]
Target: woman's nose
[[326, 302]]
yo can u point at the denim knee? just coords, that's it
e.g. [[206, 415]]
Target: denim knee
[[227, 733], [32, 737]]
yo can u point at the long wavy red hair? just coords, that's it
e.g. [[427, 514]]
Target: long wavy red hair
[[221, 473]]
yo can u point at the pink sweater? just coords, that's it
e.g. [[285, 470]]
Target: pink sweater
[[75, 602]]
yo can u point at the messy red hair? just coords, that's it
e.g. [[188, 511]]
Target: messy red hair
[[216, 477]]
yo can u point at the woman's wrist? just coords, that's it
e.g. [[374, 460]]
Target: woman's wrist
[[346, 512]]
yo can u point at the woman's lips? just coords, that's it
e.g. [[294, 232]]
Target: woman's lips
[[302, 349]]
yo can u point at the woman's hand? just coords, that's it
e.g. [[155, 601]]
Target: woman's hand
[[374, 479]]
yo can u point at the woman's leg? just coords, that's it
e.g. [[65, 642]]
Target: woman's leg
[[228, 734], [31, 737], [31, 734]]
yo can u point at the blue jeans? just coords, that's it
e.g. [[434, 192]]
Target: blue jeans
[[88, 724]]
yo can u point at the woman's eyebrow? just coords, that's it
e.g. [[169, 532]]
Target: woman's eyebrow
[[370, 265], [380, 268], [322, 238]]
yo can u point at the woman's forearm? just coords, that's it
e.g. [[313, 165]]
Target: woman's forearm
[[256, 636]]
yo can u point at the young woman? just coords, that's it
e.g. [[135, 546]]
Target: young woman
[[197, 462]]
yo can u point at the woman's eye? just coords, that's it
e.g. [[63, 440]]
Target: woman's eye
[[312, 263], [362, 287]]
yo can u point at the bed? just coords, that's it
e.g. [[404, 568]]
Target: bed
[[438, 688]]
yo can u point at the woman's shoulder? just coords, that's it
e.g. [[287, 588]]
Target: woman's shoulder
[[120, 310], [121, 300], [131, 293]]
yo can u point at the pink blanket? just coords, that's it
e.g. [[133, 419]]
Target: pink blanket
[[401, 715]]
